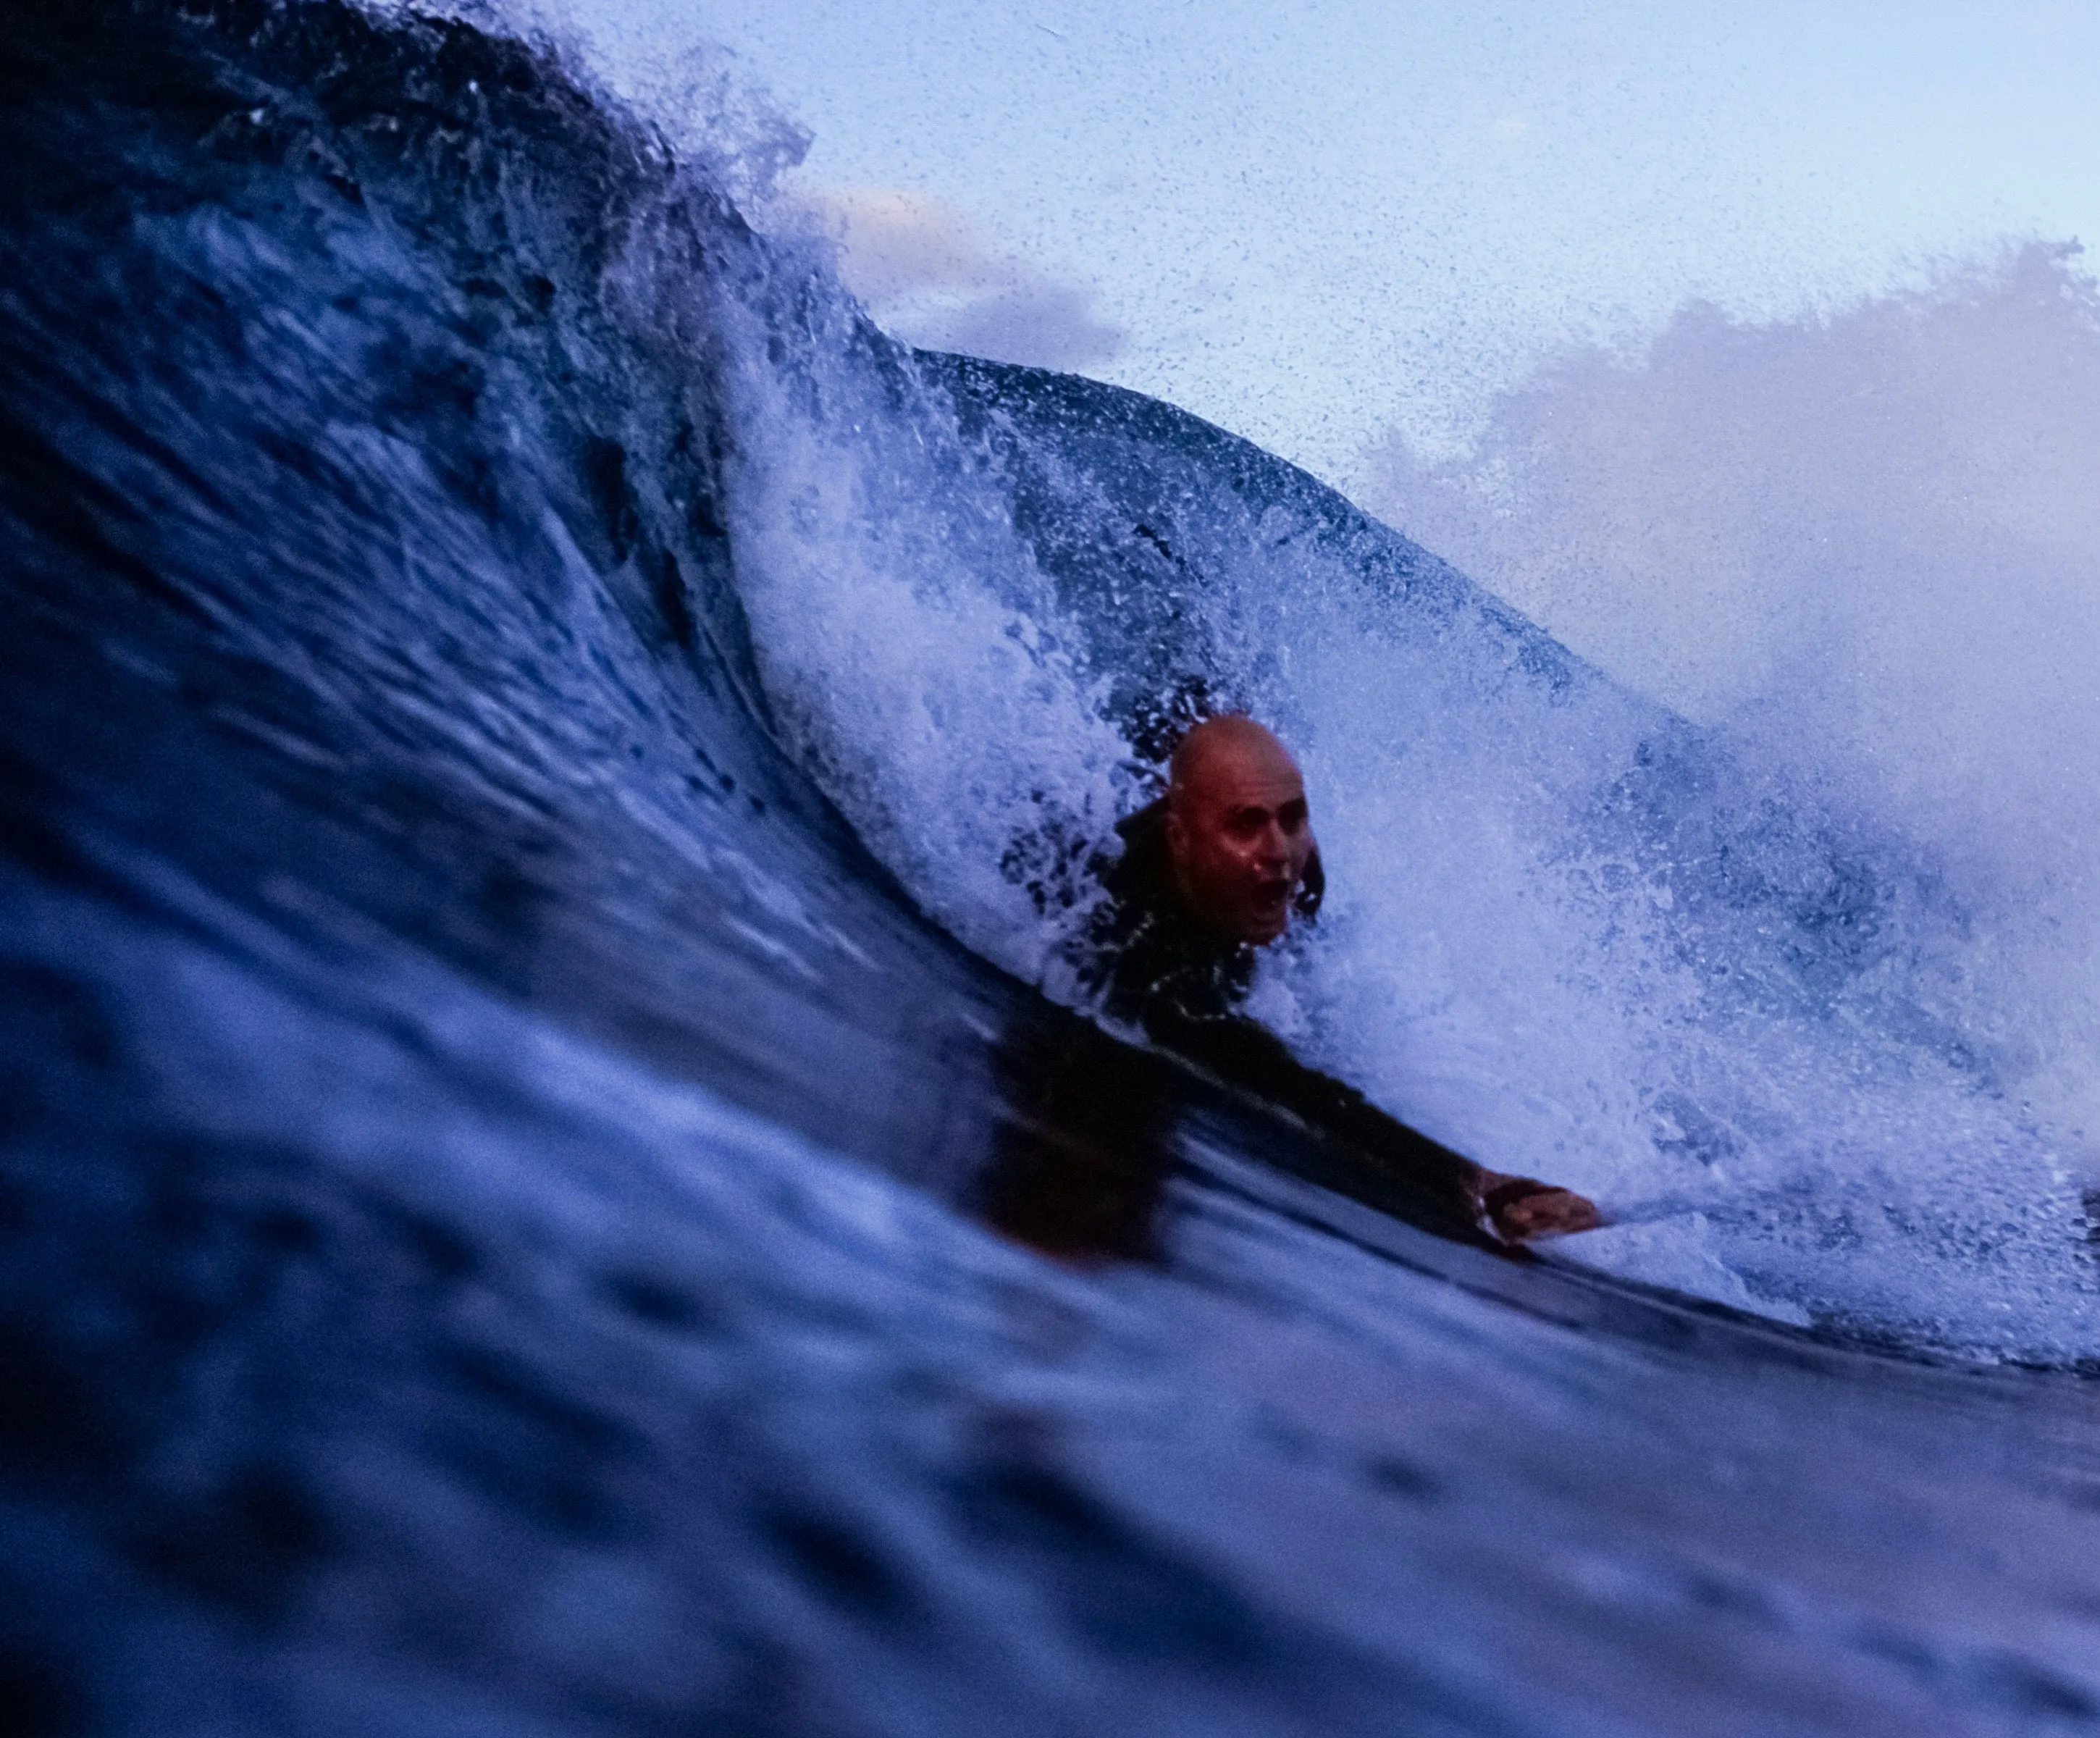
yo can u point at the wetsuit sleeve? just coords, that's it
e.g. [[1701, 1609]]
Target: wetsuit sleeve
[[1251, 1057]]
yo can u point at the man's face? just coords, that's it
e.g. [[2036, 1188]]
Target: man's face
[[1238, 830]]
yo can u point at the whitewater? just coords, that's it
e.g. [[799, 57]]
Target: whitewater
[[548, 769]]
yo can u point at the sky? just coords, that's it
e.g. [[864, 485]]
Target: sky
[[1327, 224]]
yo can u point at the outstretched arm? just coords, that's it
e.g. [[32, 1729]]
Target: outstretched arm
[[1514, 1210]]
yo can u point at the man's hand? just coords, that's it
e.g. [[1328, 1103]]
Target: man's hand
[[1520, 1209]]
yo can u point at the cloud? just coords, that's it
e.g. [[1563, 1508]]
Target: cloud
[[1051, 325], [925, 276], [1877, 532]]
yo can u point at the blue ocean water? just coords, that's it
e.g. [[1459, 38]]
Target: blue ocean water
[[547, 766]]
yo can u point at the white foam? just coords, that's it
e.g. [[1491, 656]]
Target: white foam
[[907, 642]]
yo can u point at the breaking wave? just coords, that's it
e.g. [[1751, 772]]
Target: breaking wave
[[544, 761]]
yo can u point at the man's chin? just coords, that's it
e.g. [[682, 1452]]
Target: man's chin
[[1262, 927]]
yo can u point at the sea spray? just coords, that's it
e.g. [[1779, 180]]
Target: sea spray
[[1573, 932], [1864, 548]]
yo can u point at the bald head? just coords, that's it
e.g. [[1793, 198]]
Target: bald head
[[1238, 828], [1233, 741]]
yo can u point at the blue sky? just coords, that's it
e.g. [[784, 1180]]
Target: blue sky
[[1320, 223]]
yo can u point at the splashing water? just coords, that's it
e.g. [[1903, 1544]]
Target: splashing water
[[1795, 989], [494, 1174]]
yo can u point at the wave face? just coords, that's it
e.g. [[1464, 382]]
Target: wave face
[[546, 763]]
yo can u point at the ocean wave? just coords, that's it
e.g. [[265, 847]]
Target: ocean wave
[[544, 760]]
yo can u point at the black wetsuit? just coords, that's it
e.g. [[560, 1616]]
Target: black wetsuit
[[1156, 967]]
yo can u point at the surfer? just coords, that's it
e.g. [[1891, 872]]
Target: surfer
[[1213, 871]]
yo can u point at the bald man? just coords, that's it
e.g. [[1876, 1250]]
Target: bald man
[[1213, 871]]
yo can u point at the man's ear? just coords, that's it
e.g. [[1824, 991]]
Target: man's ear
[[1177, 834], [1312, 889]]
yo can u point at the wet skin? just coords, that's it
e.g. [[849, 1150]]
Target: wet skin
[[1238, 828], [1240, 833]]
